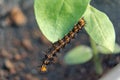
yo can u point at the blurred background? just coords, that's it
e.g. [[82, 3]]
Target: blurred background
[[22, 45]]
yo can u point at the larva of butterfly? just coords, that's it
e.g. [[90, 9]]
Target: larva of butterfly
[[60, 44]]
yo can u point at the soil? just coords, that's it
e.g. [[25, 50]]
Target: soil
[[22, 45]]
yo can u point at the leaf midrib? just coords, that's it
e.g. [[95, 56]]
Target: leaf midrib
[[99, 26], [57, 18]]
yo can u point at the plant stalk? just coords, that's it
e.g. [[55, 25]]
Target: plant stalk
[[96, 60]]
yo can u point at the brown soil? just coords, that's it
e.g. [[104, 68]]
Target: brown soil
[[22, 45]]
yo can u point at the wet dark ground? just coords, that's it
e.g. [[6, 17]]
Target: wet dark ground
[[22, 45]]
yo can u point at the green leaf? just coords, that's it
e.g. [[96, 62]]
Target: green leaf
[[103, 50], [57, 17], [78, 55], [100, 28]]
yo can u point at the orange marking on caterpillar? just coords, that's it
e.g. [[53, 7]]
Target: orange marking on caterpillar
[[43, 68]]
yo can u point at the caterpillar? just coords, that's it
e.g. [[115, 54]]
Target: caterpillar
[[49, 58]]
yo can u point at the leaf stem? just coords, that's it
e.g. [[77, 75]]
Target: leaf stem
[[96, 60]]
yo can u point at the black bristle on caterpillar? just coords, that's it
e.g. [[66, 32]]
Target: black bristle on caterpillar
[[60, 44]]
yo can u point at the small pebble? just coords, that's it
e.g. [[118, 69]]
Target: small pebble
[[6, 54], [18, 16], [17, 57], [10, 66], [27, 44]]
